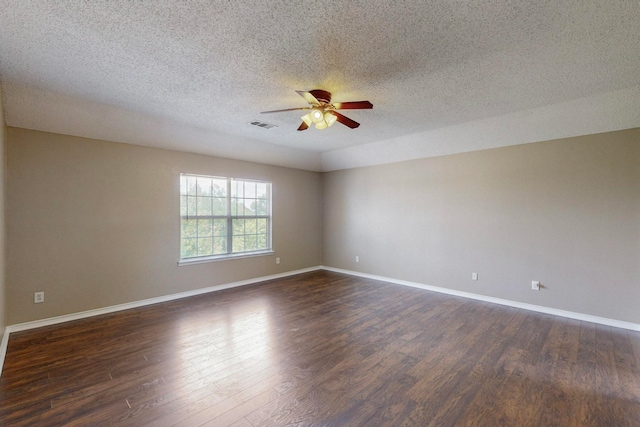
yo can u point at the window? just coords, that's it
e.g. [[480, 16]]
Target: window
[[223, 217]]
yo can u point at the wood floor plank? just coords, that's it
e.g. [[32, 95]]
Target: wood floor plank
[[322, 348], [477, 366], [503, 380]]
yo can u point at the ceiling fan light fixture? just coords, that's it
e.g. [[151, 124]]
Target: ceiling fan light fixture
[[321, 125], [330, 118], [307, 119], [317, 115]]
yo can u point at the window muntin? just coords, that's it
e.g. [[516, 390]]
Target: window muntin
[[222, 217]]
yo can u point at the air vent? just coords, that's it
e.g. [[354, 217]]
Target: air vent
[[262, 124]]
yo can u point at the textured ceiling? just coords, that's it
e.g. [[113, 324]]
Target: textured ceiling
[[444, 76]]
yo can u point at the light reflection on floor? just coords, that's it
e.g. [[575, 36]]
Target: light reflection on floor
[[216, 344]]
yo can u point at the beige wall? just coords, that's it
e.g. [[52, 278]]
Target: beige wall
[[95, 223], [565, 212], [2, 217]]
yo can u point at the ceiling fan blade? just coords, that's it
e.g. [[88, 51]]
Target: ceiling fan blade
[[303, 126], [286, 109], [308, 96], [345, 120], [353, 105]]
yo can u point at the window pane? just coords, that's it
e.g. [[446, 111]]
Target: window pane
[[220, 203], [262, 241], [250, 243], [250, 189], [261, 207], [237, 209], [183, 185], [189, 248], [219, 206], [238, 228], [250, 207], [189, 228], [219, 245], [204, 227], [204, 186], [192, 206], [191, 185], [261, 190], [204, 206], [219, 188], [261, 226], [250, 226], [238, 244], [220, 227], [205, 246], [237, 188]]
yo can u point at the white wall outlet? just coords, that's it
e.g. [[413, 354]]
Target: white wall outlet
[[278, 260], [357, 258], [38, 297], [474, 276], [535, 285]]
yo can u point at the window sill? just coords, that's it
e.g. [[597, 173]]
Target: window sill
[[216, 258]]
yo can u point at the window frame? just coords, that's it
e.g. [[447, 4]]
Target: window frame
[[229, 218]]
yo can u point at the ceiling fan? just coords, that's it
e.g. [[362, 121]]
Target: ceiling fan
[[323, 113]]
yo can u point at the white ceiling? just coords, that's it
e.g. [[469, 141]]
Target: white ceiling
[[444, 76]]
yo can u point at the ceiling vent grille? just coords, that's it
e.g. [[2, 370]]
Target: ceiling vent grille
[[262, 124]]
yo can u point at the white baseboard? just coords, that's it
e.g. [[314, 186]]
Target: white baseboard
[[141, 303], [135, 304], [541, 309], [3, 348]]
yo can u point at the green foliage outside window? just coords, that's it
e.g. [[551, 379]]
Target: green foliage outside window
[[223, 216]]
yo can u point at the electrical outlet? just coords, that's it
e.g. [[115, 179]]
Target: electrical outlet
[[38, 297], [535, 285], [357, 258], [278, 260], [474, 276]]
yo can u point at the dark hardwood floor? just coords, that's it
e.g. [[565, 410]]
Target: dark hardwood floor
[[322, 349]]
